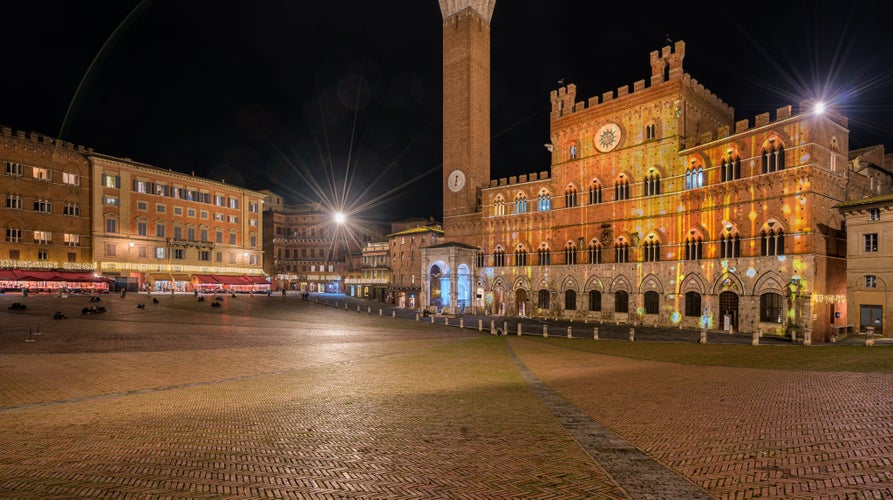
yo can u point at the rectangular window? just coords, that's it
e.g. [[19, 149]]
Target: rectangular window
[[111, 201], [252, 207], [203, 235], [252, 222], [178, 210], [159, 252], [142, 186], [203, 214], [161, 208], [142, 206], [110, 250], [160, 230], [178, 233], [41, 174], [233, 219], [42, 255], [870, 242], [253, 239], [43, 206], [162, 190], [71, 209], [219, 237], [218, 256], [14, 169], [233, 203], [870, 281], [14, 201], [190, 233], [142, 228], [204, 255], [232, 258], [219, 200], [13, 235], [71, 240], [71, 179], [874, 214], [111, 225], [179, 253], [72, 257], [142, 252], [190, 212], [111, 181], [43, 236], [232, 238]]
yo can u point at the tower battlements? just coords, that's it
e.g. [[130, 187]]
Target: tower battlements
[[666, 66], [43, 139]]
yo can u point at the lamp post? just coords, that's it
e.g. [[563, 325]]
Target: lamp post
[[794, 287]]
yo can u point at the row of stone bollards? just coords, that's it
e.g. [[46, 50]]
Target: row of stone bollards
[[807, 337]]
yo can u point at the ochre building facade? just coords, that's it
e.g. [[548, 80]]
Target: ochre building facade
[[657, 208]]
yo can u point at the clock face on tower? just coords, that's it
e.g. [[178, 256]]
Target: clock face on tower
[[607, 137], [456, 180]]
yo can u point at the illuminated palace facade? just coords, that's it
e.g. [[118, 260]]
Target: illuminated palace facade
[[658, 207]]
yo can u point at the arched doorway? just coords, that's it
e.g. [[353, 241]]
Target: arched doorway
[[463, 288], [439, 285], [728, 305], [521, 302]]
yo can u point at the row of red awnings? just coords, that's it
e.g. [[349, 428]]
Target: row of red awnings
[[216, 279], [37, 275]]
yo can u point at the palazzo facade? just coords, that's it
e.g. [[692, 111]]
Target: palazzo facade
[[657, 208]]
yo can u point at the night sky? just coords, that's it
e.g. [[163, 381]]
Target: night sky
[[347, 95]]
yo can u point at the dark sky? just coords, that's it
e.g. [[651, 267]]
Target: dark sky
[[282, 94]]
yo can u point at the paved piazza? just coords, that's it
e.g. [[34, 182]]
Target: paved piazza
[[267, 397]]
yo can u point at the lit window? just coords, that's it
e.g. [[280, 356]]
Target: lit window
[[40, 174], [870, 281], [543, 201], [70, 179], [874, 214]]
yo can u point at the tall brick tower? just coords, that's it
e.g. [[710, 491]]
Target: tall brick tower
[[466, 113]]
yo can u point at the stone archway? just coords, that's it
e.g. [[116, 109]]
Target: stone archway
[[521, 303], [728, 305]]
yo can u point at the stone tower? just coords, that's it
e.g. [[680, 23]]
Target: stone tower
[[466, 112]]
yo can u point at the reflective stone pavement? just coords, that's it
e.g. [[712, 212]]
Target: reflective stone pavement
[[284, 398]]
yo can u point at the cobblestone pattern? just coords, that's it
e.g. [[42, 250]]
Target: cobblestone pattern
[[737, 433], [640, 475], [356, 410]]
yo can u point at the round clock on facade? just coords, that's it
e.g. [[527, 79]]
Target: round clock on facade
[[456, 180], [607, 137]]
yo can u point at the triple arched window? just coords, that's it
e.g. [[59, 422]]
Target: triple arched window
[[729, 245], [499, 205], [570, 196], [595, 252], [570, 253], [652, 183], [543, 257], [694, 177], [543, 201], [772, 242], [521, 203], [731, 169], [694, 247], [499, 257], [595, 193], [773, 158], [520, 256], [621, 251], [652, 250], [621, 188]]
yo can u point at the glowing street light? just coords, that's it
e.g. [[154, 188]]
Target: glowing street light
[[819, 108], [340, 218]]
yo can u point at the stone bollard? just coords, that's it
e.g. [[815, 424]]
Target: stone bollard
[[545, 330], [492, 327], [569, 332], [704, 335], [461, 323], [369, 310], [519, 329], [505, 328], [345, 306], [416, 316], [632, 334], [480, 325], [807, 337], [869, 336], [394, 314], [756, 338], [446, 321], [432, 319], [595, 333], [358, 308]]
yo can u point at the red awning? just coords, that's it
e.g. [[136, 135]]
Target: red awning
[[39, 275], [231, 280], [257, 280], [206, 279]]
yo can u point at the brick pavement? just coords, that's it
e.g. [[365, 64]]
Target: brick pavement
[[288, 399]]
